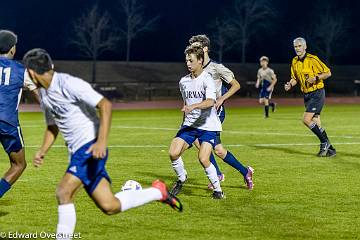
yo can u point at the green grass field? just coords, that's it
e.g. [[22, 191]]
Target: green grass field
[[296, 195]]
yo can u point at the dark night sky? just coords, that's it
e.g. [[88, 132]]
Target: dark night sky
[[47, 24]]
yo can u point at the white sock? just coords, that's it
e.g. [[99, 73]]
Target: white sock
[[178, 166], [66, 222], [132, 199], [213, 177]]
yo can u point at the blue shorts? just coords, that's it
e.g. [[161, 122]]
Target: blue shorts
[[264, 93], [190, 134], [11, 137], [221, 113], [89, 170]]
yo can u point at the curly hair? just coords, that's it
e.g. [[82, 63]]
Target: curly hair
[[202, 39]]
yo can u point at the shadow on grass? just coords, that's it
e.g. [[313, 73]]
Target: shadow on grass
[[285, 150], [3, 214]]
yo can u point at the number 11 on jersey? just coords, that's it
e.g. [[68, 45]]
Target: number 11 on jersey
[[6, 72]]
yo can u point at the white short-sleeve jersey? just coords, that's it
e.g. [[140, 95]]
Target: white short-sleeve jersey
[[266, 74], [196, 90], [219, 73], [70, 103]]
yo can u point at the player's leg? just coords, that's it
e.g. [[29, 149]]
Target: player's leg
[[212, 160], [230, 159], [11, 139], [271, 104], [17, 167], [266, 107], [332, 150], [65, 193], [177, 147], [124, 200], [204, 155]]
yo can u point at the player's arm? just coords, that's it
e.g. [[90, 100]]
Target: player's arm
[[257, 84], [235, 86], [50, 135], [323, 71], [202, 105], [98, 149], [273, 82], [227, 76], [29, 85], [290, 84]]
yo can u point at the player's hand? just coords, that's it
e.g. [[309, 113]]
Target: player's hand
[[38, 158], [269, 89], [257, 85], [287, 86], [187, 109], [311, 80], [98, 150], [219, 103]]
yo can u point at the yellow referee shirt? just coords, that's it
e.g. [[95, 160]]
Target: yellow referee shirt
[[308, 67]]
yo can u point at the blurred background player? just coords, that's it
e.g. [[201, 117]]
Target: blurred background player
[[13, 78], [226, 86], [310, 72], [200, 121], [70, 106], [266, 80]]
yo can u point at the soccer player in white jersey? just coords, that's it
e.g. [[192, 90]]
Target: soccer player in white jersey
[[224, 78], [266, 80], [70, 106], [200, 121]]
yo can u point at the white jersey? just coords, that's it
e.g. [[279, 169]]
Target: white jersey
[[266, 74], [219, 73], [70, 102], [196, 90]]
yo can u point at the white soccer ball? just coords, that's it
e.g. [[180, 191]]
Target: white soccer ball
[[131, 185]]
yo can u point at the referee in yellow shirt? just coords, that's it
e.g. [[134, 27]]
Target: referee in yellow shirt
[[310, 72]]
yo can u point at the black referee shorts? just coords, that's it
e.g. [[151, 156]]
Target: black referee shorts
[[314, 101]]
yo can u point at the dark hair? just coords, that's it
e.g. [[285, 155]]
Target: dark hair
[[196, 50], [8, 39], [202, 39], [38, 60]]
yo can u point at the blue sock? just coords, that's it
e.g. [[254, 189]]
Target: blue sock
[[232, 161], [213, 161], [4, 187]]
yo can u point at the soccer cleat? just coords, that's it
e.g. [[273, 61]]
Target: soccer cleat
[[176, 189], [324, 147], [167, 198], [221, 179], [331, 152], [218, 195], [248, 178], [273, 107]]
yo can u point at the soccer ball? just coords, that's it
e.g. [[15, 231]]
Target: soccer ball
[[131, 185]]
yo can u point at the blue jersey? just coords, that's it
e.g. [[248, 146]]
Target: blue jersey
[[11, 84]]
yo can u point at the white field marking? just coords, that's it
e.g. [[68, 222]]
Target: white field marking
[[226, 131], [237, 132], [226, 145]]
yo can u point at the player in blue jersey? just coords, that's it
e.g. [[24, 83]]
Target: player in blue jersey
[[70, 105], [266, 80], [13, 77]]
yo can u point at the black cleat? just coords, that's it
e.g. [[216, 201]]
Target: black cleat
[[218, 195], [324, 147], [176, 189], [273, 107], [331, 152]]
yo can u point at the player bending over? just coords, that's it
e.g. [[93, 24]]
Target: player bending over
[[70, 106], [266, 80], [13, 77]]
